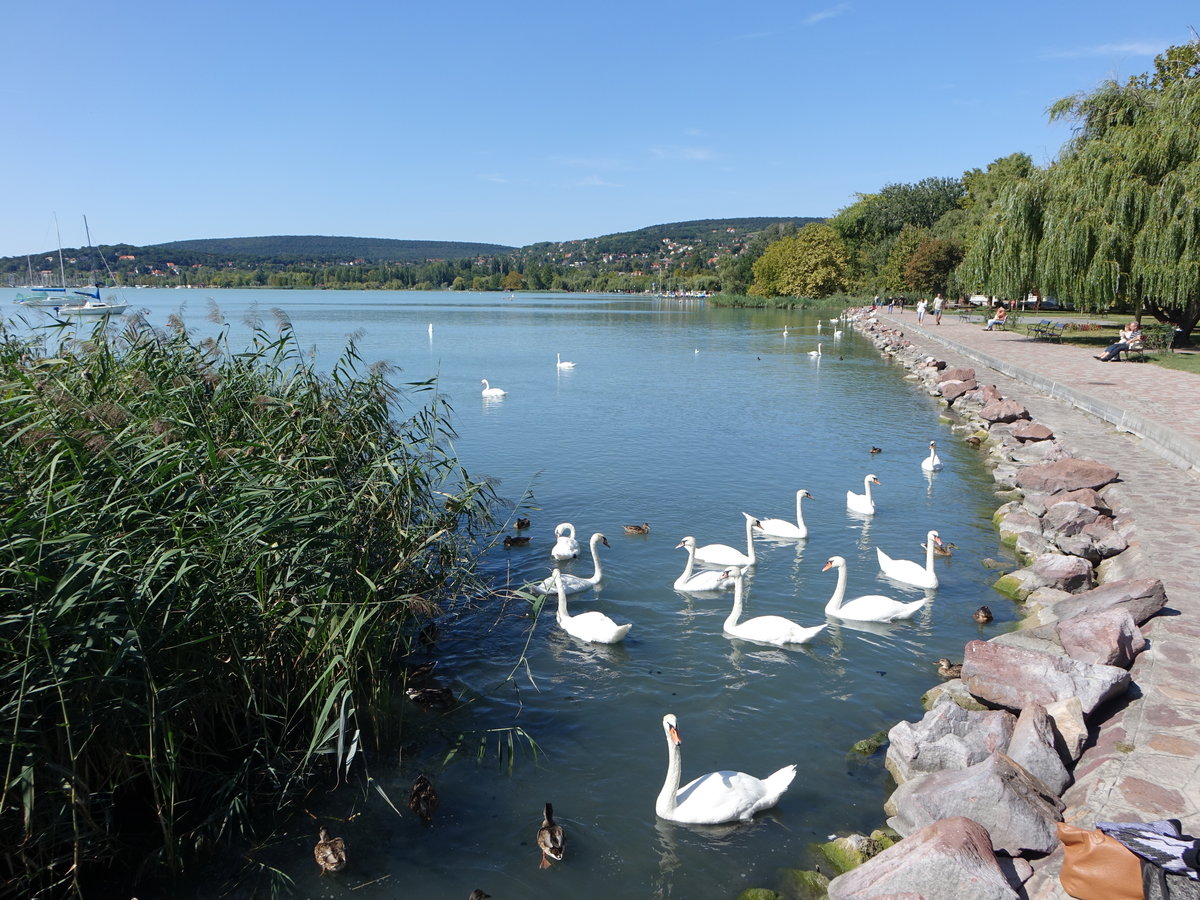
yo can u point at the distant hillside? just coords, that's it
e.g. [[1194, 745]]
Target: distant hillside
[[701, 237], [291, 248]]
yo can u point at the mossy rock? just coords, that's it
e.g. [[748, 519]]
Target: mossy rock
[[760, 894], [887, 836], [804, 884], [868, 746], [1012, 586], [945, 420], [958, 693], [1008, 539], [850, 852]]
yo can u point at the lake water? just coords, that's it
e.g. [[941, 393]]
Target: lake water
[[680, 415]]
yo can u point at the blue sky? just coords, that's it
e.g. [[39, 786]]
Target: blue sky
[[525, 121]]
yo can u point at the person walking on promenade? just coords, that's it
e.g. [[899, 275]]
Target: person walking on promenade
[[921, 310], [1130, 339], [938, 302]]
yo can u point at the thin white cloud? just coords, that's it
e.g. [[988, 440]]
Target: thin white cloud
[[1136, 48], [691, 154], [491, 176], [823, 14], [595, 181], [583, 162]]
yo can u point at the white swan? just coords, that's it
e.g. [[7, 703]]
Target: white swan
[[565, 547], [591, 626], [869, 608], [862, 503], [923, 576], [563, 365], [782, 527], [816, 352], [717, 797], [764, 629], [707, 580], [932, 463], [489, 391], [573, 584], [837, 335], [722, 555]]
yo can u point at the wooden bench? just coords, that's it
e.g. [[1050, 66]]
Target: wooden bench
[[1046, 330]]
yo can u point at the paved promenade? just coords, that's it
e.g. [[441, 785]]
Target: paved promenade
[[1144, 421]]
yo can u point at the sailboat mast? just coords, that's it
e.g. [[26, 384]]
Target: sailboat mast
[[61, 269]]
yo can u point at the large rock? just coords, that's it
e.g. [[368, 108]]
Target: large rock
[[1069, 517], [1015, 678], [1033, 747], [952, 390], [1003, 411], [956, 373], [1140, 597], [1016, 523], [1032, 431], [950, 859], [1070, 729], [947, 737], [1066, 475], [1094, 542], [1016, 809], [1038, 453], [1109, 638], [1070, 573]]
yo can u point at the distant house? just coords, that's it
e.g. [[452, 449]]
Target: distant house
[[127, 257]]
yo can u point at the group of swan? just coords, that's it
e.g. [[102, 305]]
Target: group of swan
[[722, 555], [706, 580], [717, 797], [573, 584]]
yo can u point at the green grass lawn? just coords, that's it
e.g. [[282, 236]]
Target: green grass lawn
[[1100, 331]]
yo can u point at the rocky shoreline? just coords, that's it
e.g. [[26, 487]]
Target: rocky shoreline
[[982, 775]]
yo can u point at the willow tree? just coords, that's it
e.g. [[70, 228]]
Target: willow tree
[[1116, 219]]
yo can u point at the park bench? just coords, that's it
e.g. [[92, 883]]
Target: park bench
[[1156, 337], [1046, 330]]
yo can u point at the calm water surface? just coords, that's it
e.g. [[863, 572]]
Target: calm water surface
[[682, 416]]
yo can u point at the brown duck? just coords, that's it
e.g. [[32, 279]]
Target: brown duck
[[330, 853], [948, 669], [551, 839], [644, 528], [983, 614], [424, 799]]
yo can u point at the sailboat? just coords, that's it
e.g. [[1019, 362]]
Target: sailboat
[[92, 304]]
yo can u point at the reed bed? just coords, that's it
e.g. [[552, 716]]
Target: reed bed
[[211, 563]]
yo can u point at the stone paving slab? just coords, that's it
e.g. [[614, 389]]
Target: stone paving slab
[[1143, 762]]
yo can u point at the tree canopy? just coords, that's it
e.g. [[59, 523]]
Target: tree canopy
[[1116, 219], [812, 263]]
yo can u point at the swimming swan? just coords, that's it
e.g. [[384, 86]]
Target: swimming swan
[[932, 463], [782, 527], [565, 547], [573, 584], [563, 365], [816, 352], [591, 626], [862, 503], [764, 629], [707, 580], [870, 608], [923, 576], [489, 391], [722, 555], [717, 797]]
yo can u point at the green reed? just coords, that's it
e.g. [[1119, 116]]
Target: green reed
[[210, 562]]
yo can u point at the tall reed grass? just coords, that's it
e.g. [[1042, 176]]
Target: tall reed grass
[[210, 563]]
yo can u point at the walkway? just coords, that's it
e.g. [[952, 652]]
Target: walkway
[[1144, 421]]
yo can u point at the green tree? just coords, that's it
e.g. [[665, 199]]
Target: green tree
[[513, 281], [892, 275], [931, 264], [1116, 219], [811, 264]]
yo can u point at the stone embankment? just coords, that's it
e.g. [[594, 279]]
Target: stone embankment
[[982, 776]]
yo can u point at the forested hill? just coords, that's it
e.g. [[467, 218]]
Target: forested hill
[[293, 248], [705, 237]]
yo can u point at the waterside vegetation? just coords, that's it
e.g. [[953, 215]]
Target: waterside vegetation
[[213, 565]]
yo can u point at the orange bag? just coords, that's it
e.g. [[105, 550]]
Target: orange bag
[[1098, 867]]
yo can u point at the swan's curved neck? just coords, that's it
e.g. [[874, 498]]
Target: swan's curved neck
[[799, 511], [839, 593], [562, 600], [595, 556], [929, 543], [735, 613], [867, 487], [750, 538], [666, 797], [691, 563]]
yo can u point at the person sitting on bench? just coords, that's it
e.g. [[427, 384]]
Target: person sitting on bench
[[1130, 339], [997, 319]]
